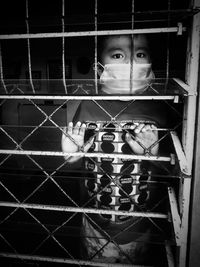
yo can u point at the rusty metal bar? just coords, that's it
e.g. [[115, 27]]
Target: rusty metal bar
[[1, 71], [89, 33], [185, 86], [189, 121], [63, 46], [29, 50], [170, 258], [175, 215], [180, 154], [82, 154], [88, 97], [65, 260], [83, 210], [95, 43]]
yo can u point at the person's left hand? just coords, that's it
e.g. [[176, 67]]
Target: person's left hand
[[147, 135], [76, 142]]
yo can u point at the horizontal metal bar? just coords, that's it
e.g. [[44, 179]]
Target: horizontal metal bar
[[89, 33], [82, 210], [55, 127], [94, 97], [82, 154], [65, 260]]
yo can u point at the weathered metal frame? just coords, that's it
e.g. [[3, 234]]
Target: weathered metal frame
[[179, 206]]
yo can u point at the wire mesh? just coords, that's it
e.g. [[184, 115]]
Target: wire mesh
[[39, 191]]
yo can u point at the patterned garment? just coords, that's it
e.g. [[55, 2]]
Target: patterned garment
[[114, 183], [98, 248]]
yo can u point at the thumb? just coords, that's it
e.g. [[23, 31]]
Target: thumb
[[88, 144], [134, 145], [129, 139]]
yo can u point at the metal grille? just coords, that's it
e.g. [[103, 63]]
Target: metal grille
[[40, 207]]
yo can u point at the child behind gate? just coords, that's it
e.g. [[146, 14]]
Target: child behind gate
[[119, 127]]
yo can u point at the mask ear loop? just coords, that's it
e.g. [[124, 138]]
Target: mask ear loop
[[98, 67]]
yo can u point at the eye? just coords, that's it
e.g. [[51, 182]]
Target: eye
[[141, 55], [118, 56]]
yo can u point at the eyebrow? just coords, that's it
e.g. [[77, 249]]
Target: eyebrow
[[142, 48], [136, 48], [113, 49]]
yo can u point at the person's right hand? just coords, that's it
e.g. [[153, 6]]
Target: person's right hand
[[76, 142], [145, 135]]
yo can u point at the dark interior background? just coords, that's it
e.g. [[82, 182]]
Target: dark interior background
[[18, 173]]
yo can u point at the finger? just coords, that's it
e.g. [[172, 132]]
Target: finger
[[88, 145], [70, 127], [134, 145], [139, 128], [153, 127], [128, 137], [64, 129], [131, 142], [77, 128], [82, 129], [146, 127], [133, 126]]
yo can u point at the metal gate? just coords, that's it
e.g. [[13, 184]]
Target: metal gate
[[40, 205]]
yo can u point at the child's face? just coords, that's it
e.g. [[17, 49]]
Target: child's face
[[117, 49]]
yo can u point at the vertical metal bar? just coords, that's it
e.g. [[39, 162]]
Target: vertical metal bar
[[175, 215], [132, 16], [168, 42], [192, 77], [170, 258], [186, 189], [96, 40], [193, 80], [1, 71], [63, 46], [132, 46], [189, 124], [29, 50], [194, 245]]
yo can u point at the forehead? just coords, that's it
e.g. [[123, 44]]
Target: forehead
[[124, 42]]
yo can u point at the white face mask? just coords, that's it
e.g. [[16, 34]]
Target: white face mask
[[118, 79]]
